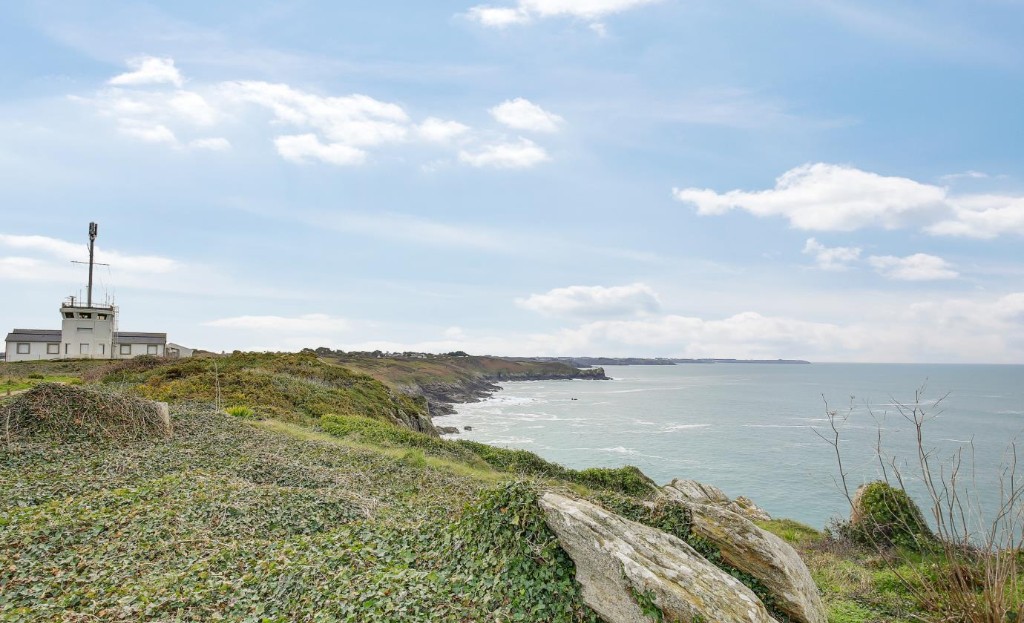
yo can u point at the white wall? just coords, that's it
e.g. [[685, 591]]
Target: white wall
[[97, 334], [37, 352], [137, 350]]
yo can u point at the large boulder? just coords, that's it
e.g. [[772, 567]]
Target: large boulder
[[682, 488], [618, 560], [760, 553]]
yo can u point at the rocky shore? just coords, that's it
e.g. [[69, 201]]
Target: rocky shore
[[442, 396]]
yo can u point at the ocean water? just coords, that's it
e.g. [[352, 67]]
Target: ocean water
[[750, 428]]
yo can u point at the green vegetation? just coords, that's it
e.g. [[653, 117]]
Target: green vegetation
[[417, 370], [292, 387], [626, 479], [240, 411], [886, 516], [310, 496], [64, 413]]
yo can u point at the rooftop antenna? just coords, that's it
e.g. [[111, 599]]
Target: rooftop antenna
[[93, 232]]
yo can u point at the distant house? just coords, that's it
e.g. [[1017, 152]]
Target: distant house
[[87, 331]]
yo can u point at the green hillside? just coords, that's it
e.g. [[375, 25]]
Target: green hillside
[[321, 502]]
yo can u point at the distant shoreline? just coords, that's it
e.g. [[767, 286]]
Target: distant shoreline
[[588, 362]]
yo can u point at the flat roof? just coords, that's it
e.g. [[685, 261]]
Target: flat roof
[[51, 335], [33, 335], [137, 337]]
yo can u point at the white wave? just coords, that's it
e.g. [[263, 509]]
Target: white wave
[[618, 450], [674, 427], [511, 441]]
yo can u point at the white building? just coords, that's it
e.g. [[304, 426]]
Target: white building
[[88, 332]]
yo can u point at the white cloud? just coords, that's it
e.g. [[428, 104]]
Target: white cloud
[[831, 258], [983, 216], [353, 120], [304, 324], [193, 107], [525, 10], [637, 298], [409, 228], [149, 70], [216, 143], [498, 17], [68, 251], [302, 147], [522, 114], [339, 130], [440, 131], [148, 132], [523, 154], [917, 267], [828, 197]]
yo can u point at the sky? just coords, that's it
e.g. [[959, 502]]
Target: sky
[[819, 179]]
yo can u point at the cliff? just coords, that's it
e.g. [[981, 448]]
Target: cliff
[[446, 380]]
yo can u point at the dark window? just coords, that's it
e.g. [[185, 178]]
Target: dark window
[[69, 315], [84, 315]]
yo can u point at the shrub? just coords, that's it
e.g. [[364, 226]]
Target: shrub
[[968, 569], [886, 516], [240, 411], [63, 413]]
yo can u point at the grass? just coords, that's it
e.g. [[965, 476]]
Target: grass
[[324, 505], [232, 520], [295, 387]]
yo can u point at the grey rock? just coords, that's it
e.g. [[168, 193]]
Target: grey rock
[[617, 558], [697, 491], [758, 552]]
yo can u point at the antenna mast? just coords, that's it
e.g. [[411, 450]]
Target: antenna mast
[[93, 231]]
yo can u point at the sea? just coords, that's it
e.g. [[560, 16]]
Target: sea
[[764, 431]]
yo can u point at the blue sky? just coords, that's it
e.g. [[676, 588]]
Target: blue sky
[[829, 180]]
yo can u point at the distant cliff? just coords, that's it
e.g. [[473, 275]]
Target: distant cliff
[[445, 380]]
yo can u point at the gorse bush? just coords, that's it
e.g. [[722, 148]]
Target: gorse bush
[[886, 516]]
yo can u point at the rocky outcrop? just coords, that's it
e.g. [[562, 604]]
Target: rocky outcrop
[[750, 510], [448, 430], [685, 489], [753, 550], [617, 560], [442, 395]]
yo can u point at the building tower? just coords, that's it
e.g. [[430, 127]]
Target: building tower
[[87, 331]]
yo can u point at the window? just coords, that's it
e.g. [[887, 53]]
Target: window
[[69, 315], [83, 349], [103, 349], [101, 316], [84, 315], [84, 329], [151, 349], [53, 349], [126, 349], [24, 349], [66, 347]]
